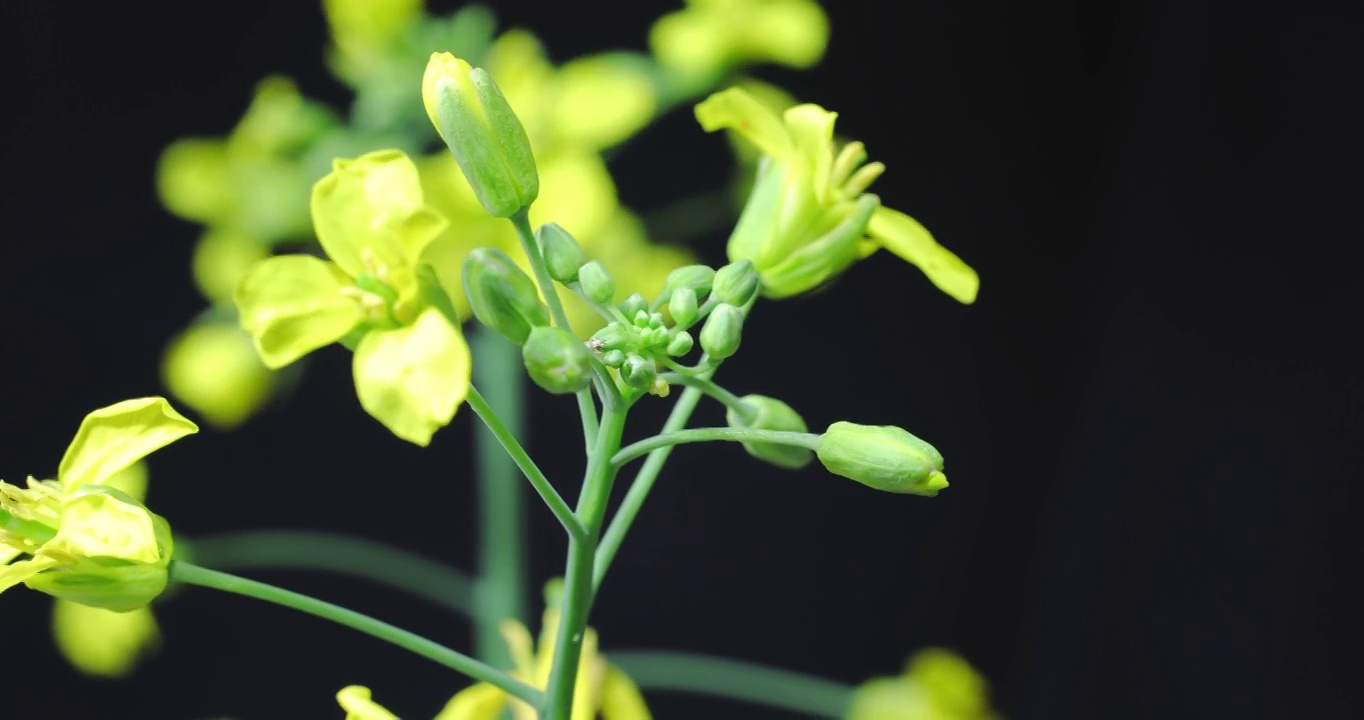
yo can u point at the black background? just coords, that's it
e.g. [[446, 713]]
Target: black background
[[1151, 416]]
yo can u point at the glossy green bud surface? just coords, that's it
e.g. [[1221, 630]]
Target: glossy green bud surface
[[697, 277], [772, 414], [596, 283], [501, 295], [735, 283], [882, 457], [557, 360], [722, 332], [563, 254], [682, 306]]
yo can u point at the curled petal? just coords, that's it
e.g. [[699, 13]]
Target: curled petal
[[412, 379], [355, 700], [476, 702], [293, 305], [904, 236], [620, 697], [737, 110], [22, 571], [112, 438], [374, 203], [812, 133]]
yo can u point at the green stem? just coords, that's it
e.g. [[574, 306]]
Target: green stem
[[735, 680], [336, 553], [521, 221], [578, 572], [184, 572], [744, 410], [678, 437], [522, 459], [640, 488], [501, 502]]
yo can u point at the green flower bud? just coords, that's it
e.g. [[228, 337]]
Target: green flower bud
[[642, 319], [563, 255], [613, 358], [633, 306], [680, 344], [596, 283], [639, 372], [736, 283], [557, 360], [882, 457], [614, 337], [772, 414], [722, 332], [697, 277], [482, 132], [501, 295], [682, 306]]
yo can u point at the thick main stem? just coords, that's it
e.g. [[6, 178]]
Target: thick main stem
[[501, 591], [578, 572], [184, 572]]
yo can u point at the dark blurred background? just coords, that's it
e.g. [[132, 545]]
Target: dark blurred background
[[1152, 415]]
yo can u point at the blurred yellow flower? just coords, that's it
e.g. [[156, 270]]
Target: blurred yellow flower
[[936, 684], [213, 368], [703, 41]]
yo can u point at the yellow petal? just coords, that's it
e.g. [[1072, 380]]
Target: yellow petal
[[602, 100], [221, 259], [812, 133], [213, 368], [904, 236], [102, 642], [131, 481], [736, 109], [476, 702], [192, 179], [888, 699], [620, 697], [355, 700], [293, 305], [788, 32], [13, 574], [112, 438], [412, 379], [99, 525]]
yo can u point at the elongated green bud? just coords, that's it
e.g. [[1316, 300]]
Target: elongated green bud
[[501, 295], [682, 306], [557, 360], [563, 255], [772, 414], [722, 332], [735, 283], [482, 132], [596, 283], [697, 277], [883, 457]]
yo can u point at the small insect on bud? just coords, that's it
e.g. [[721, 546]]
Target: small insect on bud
[[772, 414], [722, 332], [596, 283], [735, 283], [882, 457], [557, 360], [501, 295], [482, 133], [563, 255], [615, 336]]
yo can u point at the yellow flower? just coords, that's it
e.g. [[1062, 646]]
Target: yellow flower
[[808, 217], [358, 703], [411, 364], [365, 31], [709, 37], [936, 684], [79, 538], [601, 688]]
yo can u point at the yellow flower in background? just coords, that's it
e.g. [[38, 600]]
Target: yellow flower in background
[[703, 41], [411, 365], [808, 217], [936, 684], [80, 538], [251, 181], [364, 31], [100, 642], [601, 689], [213, 368]]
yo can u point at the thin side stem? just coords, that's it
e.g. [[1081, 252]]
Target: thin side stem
[[184, 572], [578, 572], [735, 680], [501, 522], [542, 485], [341, 554], [640, 488], [745, 411], [678, 437], [586, 408]]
